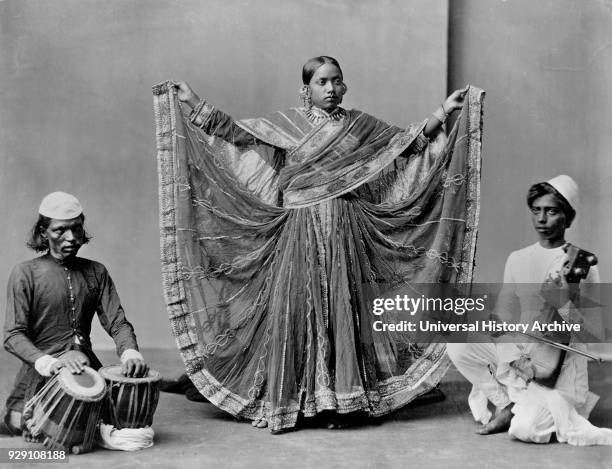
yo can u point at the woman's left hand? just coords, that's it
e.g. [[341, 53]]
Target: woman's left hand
[[455, 100]]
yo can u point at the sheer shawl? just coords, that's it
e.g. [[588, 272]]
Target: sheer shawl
[[276, 235]]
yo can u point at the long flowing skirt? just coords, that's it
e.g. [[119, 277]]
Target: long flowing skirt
[[271, 308]]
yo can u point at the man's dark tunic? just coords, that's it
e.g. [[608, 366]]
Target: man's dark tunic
[[50, 308]]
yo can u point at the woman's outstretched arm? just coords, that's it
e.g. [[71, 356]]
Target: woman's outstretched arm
[[211, 120], [439, 116]]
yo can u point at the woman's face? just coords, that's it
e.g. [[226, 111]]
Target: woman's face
[[327, 88]]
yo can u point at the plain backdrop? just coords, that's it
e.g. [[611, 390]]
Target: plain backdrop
[[76, 114], [547, 67], [76, 104]]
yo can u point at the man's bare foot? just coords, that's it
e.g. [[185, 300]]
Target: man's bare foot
[[260, 423], [175, 385], [500, 423]]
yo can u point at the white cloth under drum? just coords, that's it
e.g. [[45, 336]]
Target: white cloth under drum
[[126, 439]]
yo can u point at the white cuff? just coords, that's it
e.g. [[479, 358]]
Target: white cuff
[[43, 365], [130, 353]]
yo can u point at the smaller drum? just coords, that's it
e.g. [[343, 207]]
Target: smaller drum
[[65, 412], [131, 402]]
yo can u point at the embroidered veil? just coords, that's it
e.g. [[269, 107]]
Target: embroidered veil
[[276, 232]]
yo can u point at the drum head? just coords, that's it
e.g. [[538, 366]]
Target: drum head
[[88, 385], [113, 373]]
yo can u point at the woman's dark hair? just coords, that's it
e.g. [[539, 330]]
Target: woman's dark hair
[[543, 188], [39, 243], [313, 64]]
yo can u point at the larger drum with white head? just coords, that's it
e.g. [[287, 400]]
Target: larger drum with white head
[[66, 411]]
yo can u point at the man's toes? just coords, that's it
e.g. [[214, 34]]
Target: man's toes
[[500, 423], [260, 423], [263, 423], [489, 429], [483, 430]]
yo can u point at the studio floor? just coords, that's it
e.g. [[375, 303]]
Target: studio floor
[[441, 435]]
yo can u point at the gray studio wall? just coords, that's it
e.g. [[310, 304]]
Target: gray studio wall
[[76, 112], [547, 67]]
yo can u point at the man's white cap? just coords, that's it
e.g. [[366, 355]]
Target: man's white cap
[[567, 187], [60, 206]]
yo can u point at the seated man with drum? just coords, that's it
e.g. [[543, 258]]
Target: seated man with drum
[[51, 302]]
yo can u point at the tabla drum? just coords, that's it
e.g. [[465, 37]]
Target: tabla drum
[[66, 411], [131, 402]]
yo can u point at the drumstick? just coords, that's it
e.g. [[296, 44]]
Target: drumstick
[[563, 347]]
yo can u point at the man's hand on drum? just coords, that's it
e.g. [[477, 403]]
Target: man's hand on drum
[[74, 360], [55, 367], [134, 368]]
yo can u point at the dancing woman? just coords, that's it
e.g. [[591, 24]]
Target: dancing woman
[[278, 232]]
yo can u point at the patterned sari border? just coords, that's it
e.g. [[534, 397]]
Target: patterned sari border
[[354, 177], [389, 395], [475, 109]]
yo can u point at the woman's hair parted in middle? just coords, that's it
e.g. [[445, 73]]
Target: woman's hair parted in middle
[[311, 66]]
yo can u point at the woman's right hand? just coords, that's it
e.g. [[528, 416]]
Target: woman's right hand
[[455, 100], [186, 95]]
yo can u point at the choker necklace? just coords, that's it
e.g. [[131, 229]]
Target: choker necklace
[[316, 115]]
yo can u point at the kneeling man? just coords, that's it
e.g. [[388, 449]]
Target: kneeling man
[[537, 389], [51, 302]]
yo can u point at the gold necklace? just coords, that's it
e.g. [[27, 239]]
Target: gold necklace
[[316, 115]]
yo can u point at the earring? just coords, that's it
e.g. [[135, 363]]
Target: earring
[[306, 96]]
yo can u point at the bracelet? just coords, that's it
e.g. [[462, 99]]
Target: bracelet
[[440, 114], [420, 143], [194, 115], [198, 107]]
